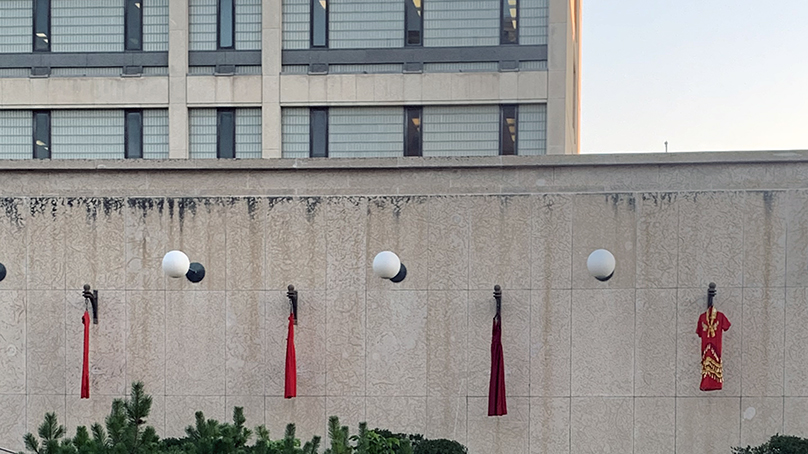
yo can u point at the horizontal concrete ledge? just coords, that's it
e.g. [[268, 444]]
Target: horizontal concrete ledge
[[414, 55], [84, 59], [330, 164], [224, 57]]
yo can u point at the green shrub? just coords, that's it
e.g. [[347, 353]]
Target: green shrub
[[777, 444], [440, 446], [125, 432]]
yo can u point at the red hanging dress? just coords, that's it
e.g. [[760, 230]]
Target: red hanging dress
[[290, 384], [85, 368], [712, 325], [496, 387]]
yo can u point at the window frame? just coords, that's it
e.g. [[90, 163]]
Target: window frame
[[231, 144], [408, 111], [219, 25], [127, 24], [38, 6], [407, 24], [36, 133], [322, 135], [311, 25], [128, 152], [503, 129], [502, 41]]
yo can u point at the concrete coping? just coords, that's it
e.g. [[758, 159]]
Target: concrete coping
[[617, 159]]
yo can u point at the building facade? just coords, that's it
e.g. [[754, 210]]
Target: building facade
[[590, 366], [198, 79]]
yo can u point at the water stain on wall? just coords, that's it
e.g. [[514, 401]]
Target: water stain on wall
[[11, 209]]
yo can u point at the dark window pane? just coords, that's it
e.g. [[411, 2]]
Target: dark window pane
[[42, 25], [412, 143], [415, 22], [318, 133], [134, 25], [226, 131], [227, 24], [507, 130], [42, 135], [134, 134], [319, 23], [510, 22]]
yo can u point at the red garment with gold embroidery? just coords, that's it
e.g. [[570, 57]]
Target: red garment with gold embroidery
[[712, 325]]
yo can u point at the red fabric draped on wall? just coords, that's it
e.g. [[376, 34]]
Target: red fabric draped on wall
[[85, 368], [496, 389], [290, 388]]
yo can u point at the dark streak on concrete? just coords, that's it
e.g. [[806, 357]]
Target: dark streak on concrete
[[11, 208]]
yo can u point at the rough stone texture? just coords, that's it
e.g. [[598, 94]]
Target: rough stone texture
[[760, 418], [550, 341], [707, 425], [655, 342], [601, 424], [590, 366], [502, 434], [655, 425], [711, 240], [550, 427], [602, 342], [12, 420], [12, 342], [796, 338]]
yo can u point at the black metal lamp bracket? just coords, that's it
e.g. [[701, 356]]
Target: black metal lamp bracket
[[498, 298], [91, 297], [711, 294], [292, 295]]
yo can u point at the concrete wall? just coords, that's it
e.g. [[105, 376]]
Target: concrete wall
[[591, 367]]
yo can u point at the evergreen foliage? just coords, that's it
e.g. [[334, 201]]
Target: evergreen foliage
[[777, 444], [125, 432]]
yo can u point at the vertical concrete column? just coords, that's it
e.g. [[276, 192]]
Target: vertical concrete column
[[558, 115], [177, 82], [271, 45]]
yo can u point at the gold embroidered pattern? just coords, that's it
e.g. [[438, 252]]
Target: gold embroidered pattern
[[712, 323], [711, 366]]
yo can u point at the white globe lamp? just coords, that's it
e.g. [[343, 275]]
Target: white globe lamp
[[387, 265], [601, 264], [176, 264]]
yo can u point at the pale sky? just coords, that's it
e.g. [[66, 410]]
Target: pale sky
[[705, 75]]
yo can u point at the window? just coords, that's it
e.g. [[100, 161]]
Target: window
[[319, 23], [507, 130], [42, 134], [413, 22], [134, 25], [133, 133], [412, 140], [226, 134], [509, 28], [318, 132], [227, 24], [42, 25]]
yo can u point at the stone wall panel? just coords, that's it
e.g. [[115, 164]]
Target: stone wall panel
[[604, 221]]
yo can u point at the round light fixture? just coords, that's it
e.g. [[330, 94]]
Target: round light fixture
[[601, 264], [176, 264], [387, 265]]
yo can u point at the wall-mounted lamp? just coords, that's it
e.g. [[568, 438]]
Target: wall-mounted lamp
[[292, 295], [176, 264], [387, 265], [91, 300], [601, 265], [2, 271]]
